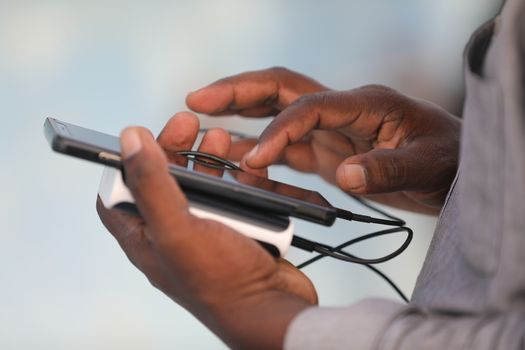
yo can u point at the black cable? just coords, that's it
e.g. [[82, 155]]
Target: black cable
[[373, 268], [324, 250], [374, 208], [335, 253], [195, 156], [395, 221], [329, 251]]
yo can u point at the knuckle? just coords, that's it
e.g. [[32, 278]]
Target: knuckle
[[323, 99], [319, 99], [279, 71], [378, 88], [384, 94], [388, 103], [393, 174], [307, 101], [300, 101], [313, 104], [381, 175], [223, 81]]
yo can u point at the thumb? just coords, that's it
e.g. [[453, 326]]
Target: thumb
[[159, 199], [381, 171]]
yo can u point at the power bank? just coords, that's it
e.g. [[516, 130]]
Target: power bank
[[273, 232]]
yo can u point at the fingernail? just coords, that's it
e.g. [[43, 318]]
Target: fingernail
[[130, 143], [355, 176], [252, 153]]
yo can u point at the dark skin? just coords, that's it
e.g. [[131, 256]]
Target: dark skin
[[407, 150], [220, 276]]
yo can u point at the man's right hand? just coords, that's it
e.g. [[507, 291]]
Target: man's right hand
[[370, 141]]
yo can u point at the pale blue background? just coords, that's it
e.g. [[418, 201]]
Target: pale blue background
[[64, 283]]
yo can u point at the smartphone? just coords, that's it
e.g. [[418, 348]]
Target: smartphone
[[231, 189]]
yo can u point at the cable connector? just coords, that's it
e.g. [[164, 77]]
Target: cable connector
[[348, 215], [304, 244]]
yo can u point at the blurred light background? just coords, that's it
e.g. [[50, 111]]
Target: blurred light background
[[64, 282]]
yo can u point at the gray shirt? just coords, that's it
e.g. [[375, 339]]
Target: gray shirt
[[470, 293]]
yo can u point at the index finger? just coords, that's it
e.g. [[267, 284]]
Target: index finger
[[257, 93], [357, 113]]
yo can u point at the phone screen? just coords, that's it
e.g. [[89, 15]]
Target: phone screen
[[100, 142]]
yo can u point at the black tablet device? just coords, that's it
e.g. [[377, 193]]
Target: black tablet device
[[233, 188]]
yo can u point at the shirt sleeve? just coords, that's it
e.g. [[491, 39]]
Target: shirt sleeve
[[498, 321], [354, 327], [386, 325]]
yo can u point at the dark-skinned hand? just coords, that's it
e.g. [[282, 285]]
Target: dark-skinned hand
[[371, 141], [226, 280]]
